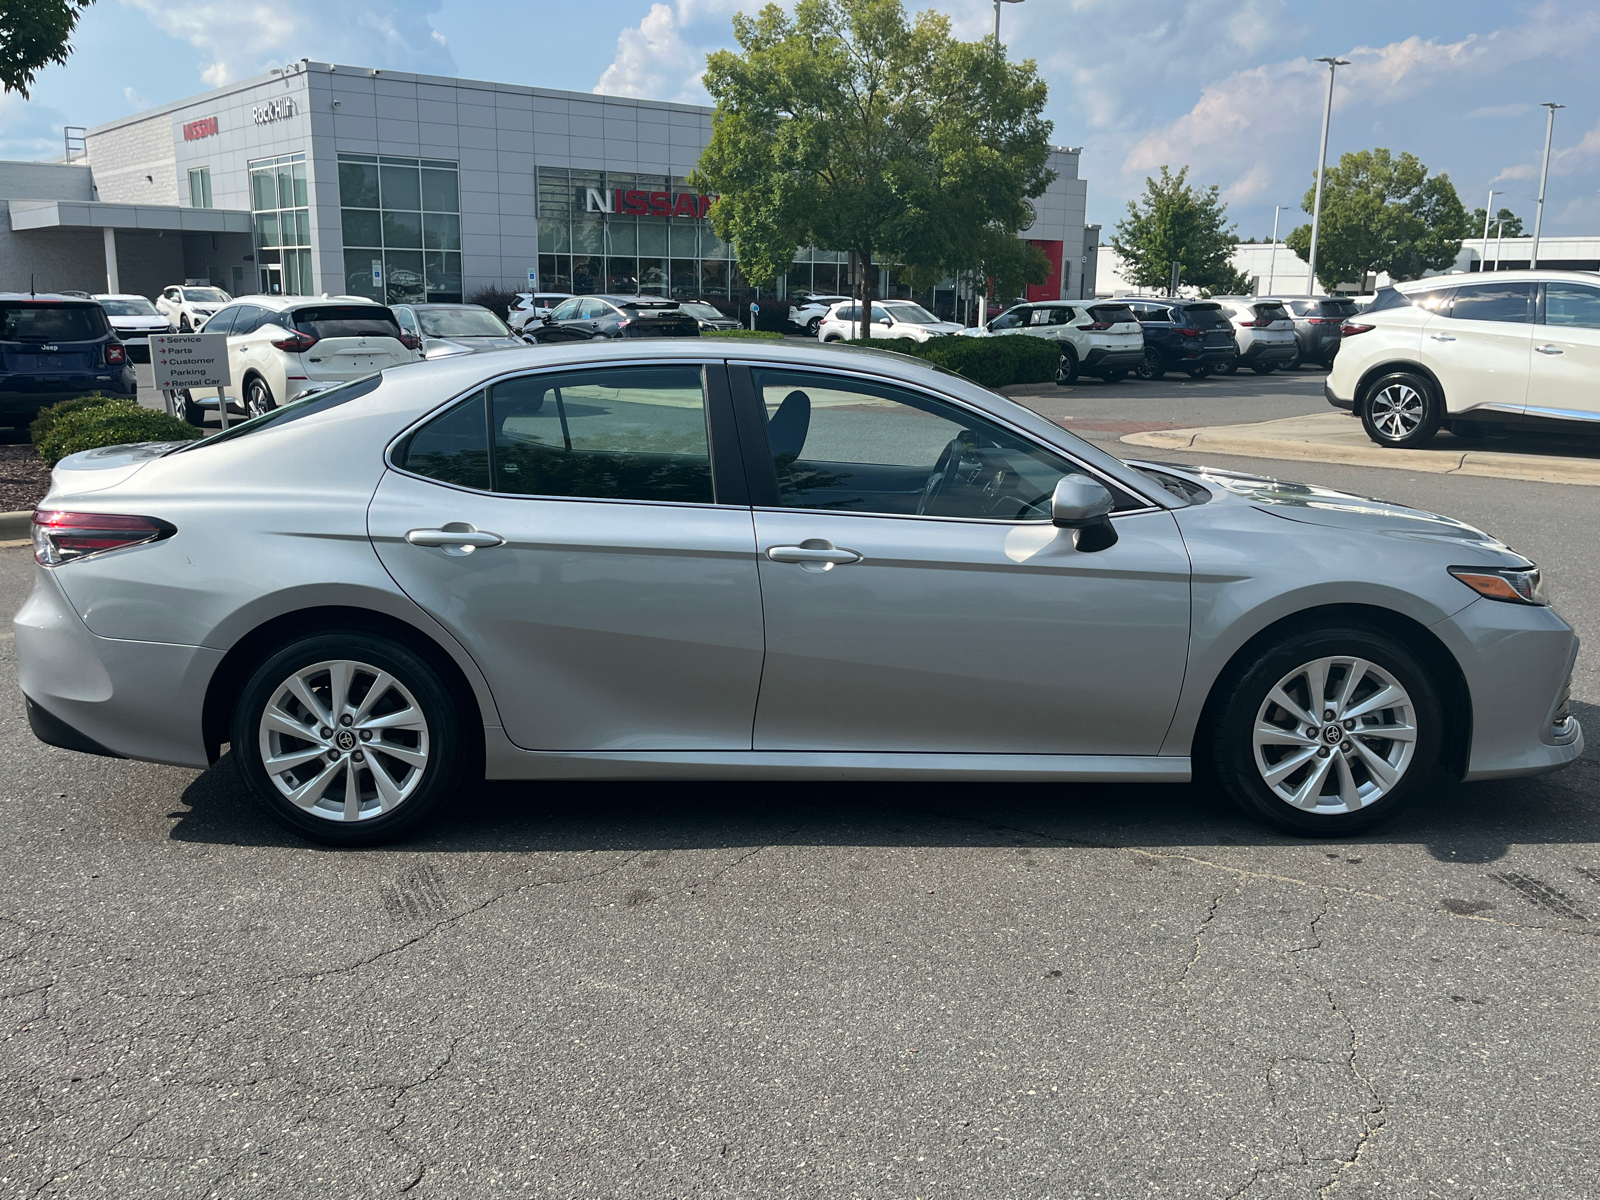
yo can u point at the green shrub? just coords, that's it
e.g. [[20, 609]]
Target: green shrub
[[764, 334], [994, 362], [112, 422], [47, 417]]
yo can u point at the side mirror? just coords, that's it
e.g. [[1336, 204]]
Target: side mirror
[[1083, 505], [548, 319], [883, 321]]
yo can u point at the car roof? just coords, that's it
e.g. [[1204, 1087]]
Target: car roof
[[120, 296], [443, 304], [49, 297], [282, 303], [1533, 275]]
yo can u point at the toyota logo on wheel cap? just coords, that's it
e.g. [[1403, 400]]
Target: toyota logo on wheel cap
[[1333, 735], [346, 740]]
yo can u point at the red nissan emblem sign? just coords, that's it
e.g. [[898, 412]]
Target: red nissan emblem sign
[[634, 203], [203, 128]]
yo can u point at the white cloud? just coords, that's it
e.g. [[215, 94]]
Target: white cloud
[[1494, 111], [245, 37], [29, 130], [135, 101]]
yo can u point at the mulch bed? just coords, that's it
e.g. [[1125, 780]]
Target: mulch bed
[[24, 479]]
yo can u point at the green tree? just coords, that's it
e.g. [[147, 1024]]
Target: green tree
[[1381, 213], [1176, 222], [1513, 222], [33, 34], [845, 127]]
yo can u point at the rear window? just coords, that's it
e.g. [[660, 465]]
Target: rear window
[[1112, 314], [346, 320], [43, 321], [1339, 308], [1271, 312], [293, 411], [461, 322], [1207, 316]]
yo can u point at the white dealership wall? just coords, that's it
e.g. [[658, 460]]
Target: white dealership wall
[[499, 133]]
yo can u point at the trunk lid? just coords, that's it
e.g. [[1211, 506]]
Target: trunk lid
[[97, 470], [353, 357]]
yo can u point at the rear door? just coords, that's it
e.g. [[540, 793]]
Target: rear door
[[1479, 345], [1564, 375], [352, 340], [612, 601]]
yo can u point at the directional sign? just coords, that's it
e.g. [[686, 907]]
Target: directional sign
[[190, 360]]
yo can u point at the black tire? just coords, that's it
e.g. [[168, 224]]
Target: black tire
[[1154, 365], [1113, 376], [1243, 696], [1294, 363], [258, 398], [1067, 368], [1263, 368], [445, 747], [1401, 411], [1227, 368], [812, 326], [192, 412], [183, 324]]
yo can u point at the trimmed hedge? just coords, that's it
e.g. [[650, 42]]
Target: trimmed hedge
[[89, 422], [761, 334], [994, 362]]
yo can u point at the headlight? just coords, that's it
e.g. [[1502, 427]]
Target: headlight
[[1514, 585]]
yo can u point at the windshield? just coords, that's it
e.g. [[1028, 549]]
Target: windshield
[[704, 312], [347, 320], [461, 322], [206, 295], [292, 411], [912, 314], [137, 307], [23, 321]]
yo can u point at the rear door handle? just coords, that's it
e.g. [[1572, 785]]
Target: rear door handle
[[814, 554], [1441, 337], [457, 538], [1549, 349]]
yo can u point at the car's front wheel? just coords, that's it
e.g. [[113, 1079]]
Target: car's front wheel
[[1402, 411], [348, 738], [1327, 732], [1263, 368], [183, 324]]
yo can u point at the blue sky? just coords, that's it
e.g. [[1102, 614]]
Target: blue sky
[[1225, 86]]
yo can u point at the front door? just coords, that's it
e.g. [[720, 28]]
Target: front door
[[917, 597], [1479, 345], [611, 602], [1564, 379]]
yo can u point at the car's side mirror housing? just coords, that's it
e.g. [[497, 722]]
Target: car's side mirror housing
[[1084, 506], [548, 319]]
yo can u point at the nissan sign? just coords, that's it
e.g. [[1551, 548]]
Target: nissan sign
[[630, 203], [203, 128]]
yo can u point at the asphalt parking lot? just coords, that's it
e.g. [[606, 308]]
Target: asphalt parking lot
[[886, 991]]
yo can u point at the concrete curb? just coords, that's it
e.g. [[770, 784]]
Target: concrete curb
[[15, 525], [1322, 438]]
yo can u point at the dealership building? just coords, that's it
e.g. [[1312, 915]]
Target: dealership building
[[343, 180]]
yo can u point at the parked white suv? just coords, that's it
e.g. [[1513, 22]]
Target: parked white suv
[[1102, 337], [133, 319], [1264, 330], [893, 319], [280, 346], [533, 306], [1474, 354], [188, 307], [808, 310]]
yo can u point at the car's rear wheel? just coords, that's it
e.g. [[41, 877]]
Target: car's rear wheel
[[258, 397], [812, 326], [1153, 366], [348, 738], [192, 412], [1067, 368], [1197, 372], [1402, 411], [1327, 732], [1294, 363]]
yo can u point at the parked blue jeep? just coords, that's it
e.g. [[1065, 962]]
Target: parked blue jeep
[[54, 347]]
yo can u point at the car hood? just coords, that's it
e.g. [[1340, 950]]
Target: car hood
[[945, 327], [96, 470], [1310, 504], [141, 323]]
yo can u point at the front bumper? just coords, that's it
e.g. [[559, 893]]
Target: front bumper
[[1101, 358], [105, 695]]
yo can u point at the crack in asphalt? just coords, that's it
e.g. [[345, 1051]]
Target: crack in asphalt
[[1199, 934]]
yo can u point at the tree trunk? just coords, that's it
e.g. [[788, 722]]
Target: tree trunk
[[866, 292]]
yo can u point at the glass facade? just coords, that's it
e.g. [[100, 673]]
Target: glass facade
[[401, 220], [278, 201], [200, 187]]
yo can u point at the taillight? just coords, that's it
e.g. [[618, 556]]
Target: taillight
[[60, 537], [296, 341], [1097, 326], [1351, 328], [1324, 320], [1259, 324], [410, 340], [115, 353], [1192, 332]]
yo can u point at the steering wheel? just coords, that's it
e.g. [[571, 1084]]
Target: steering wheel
[[943, 471]]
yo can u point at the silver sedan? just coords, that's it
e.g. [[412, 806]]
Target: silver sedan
[[673, 560]]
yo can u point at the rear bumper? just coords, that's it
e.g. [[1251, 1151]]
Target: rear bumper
[[1100, 358], [1267, 352], [1328, 395], [30, 393]]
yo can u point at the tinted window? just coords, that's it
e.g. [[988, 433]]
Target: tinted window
[[1337, 308], [1153, 315], [247, 319], [1207, 316], [204, 295], [221, 322], [859, 445], [1507, 302], [590, 310], [1572, 304], [850, 312], [139, 307], [293, 411], [347, 320], [24, 321], [1015, 319], [1112, 314], [566, 311], [623, 433], [452, 448], [1270, 312]]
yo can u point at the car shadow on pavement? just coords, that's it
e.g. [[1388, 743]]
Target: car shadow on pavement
[[1456, 823]]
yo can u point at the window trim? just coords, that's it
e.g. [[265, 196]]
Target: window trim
[[729, 488], [763, 477]]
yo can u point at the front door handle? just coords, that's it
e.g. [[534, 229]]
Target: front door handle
[[814, 554], [1441, 337], [457, 539], [1549, 349]]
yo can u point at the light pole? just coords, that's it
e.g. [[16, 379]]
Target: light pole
[[1544, 176], [1499, 237], [1488, 215], [997, 4], [1272, 258], [1322, 168]]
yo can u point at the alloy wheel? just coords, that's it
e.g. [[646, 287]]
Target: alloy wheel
[[1335, 735], [1150, 366], [1397, 410], [344, 741], [258, 398]]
